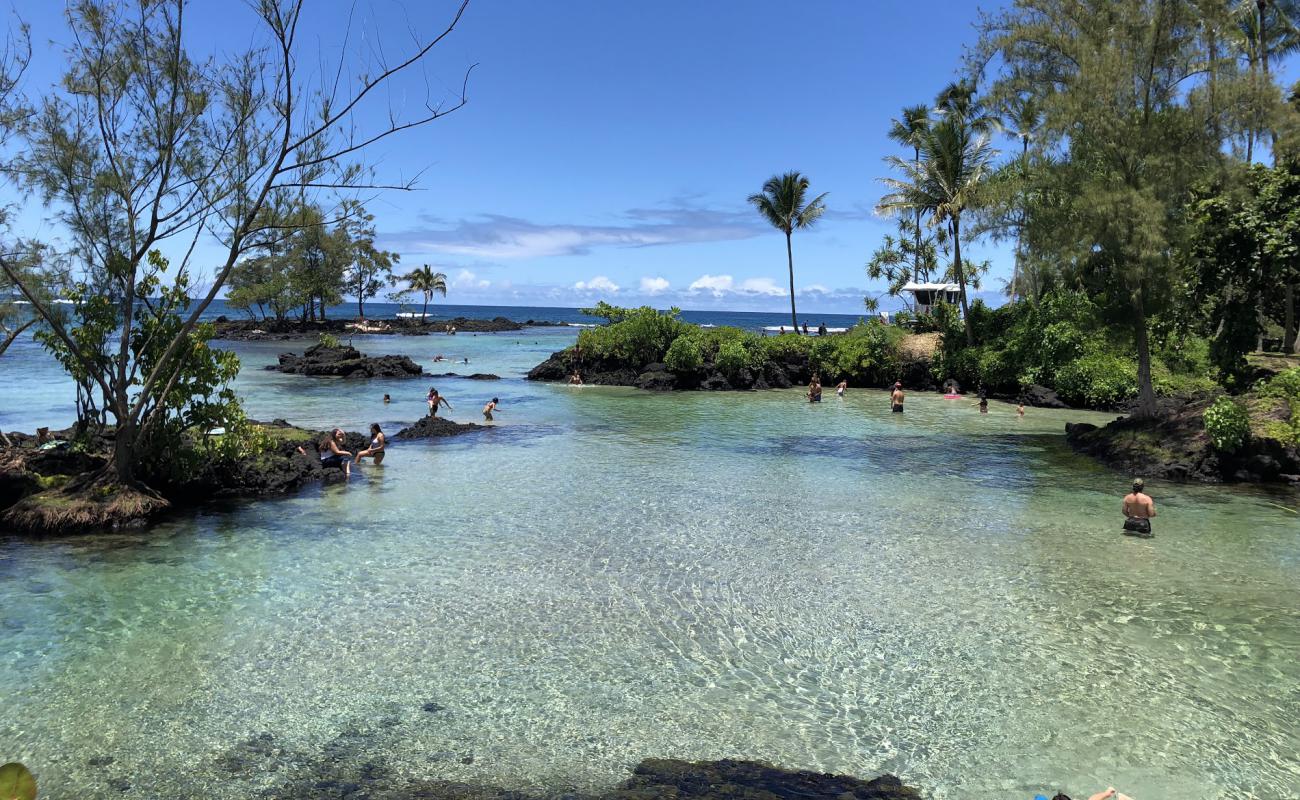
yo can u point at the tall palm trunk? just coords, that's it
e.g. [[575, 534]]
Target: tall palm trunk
[[789, 257], [916, 253], [424, 315], [959, 272], [1146, 406]]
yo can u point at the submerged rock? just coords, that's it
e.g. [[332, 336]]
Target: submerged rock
[[477, 376], [346, 361]]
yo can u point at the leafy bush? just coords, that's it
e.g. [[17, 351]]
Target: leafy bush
[[641, 336], [732, 357], [329, 341], [684, 355], [1284, 385], [1228, 425], [1098, 379]]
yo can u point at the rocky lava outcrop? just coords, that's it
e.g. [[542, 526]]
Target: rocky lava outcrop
[[346, 361]]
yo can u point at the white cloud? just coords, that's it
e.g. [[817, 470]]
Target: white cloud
[[597, 284], [654, 285], [814, 288], [468, 280], [764, 286], [717, 285]]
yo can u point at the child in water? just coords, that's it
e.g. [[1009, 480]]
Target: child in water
[[489, 408], [840, 387]]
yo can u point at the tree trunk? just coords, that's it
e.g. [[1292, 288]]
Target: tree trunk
[[424, 315], [322, 308], [124, 452], [1146, 406], [960, 274], [361, 302], [789, 257], [1289, 321]]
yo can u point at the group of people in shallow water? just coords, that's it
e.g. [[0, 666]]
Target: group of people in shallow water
[[1138, 508], [333, 455], [896, 395]]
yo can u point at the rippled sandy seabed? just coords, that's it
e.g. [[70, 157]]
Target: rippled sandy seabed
[[610, 575]]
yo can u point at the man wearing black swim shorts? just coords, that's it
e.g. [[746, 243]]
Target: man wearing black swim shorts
[[1138, 510]]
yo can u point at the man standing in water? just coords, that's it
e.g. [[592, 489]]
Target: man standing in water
[[896, 398], [1138, 510]]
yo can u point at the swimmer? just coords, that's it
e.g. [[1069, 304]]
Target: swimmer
[[840, 387], [575, 379], [387, 399], [896, 398], [434, 400], [983, 405], [1020, 409], [466, 360], [377, 444], [815, 390], [1138, 509], [489, 408]]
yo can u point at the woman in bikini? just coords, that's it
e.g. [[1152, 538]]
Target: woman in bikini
[[377, 444]]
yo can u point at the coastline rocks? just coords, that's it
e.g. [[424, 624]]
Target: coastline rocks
[[346, 361], [1174, 445], [1041, 397], [436, 428]]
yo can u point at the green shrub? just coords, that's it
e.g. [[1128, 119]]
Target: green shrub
[[684, 355], [1228, 425], [1098, 379], [329, 340], [641, 336], [732, 357], [1284, 385]]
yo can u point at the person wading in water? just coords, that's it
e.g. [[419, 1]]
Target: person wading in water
[[896, 398], [1138, 510]]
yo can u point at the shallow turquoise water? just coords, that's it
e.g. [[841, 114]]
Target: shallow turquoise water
[[610, 575]]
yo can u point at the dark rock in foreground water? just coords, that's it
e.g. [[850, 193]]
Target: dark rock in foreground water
[[652, 779], [347, 362], [436, 428]]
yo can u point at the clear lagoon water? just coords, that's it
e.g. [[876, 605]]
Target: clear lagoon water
[[609, 575]]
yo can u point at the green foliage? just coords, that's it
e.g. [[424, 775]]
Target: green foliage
[[866, 354], [1098, 379], [1284, 385], [329, 341], [610, 313], [1284, 388], [732, 357], [684, 355], [1228, 425], [640, 336]]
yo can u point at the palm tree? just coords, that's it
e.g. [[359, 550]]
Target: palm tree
[[944, 182], [908, 132], [427, 282], [782, 204]]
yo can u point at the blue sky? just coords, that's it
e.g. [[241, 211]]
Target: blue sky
[[608, 147]]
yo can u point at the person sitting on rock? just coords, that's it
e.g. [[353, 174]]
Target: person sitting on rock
[[434, 400], [1138, 509], [331, 455], [489, 408], [377, 444]]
